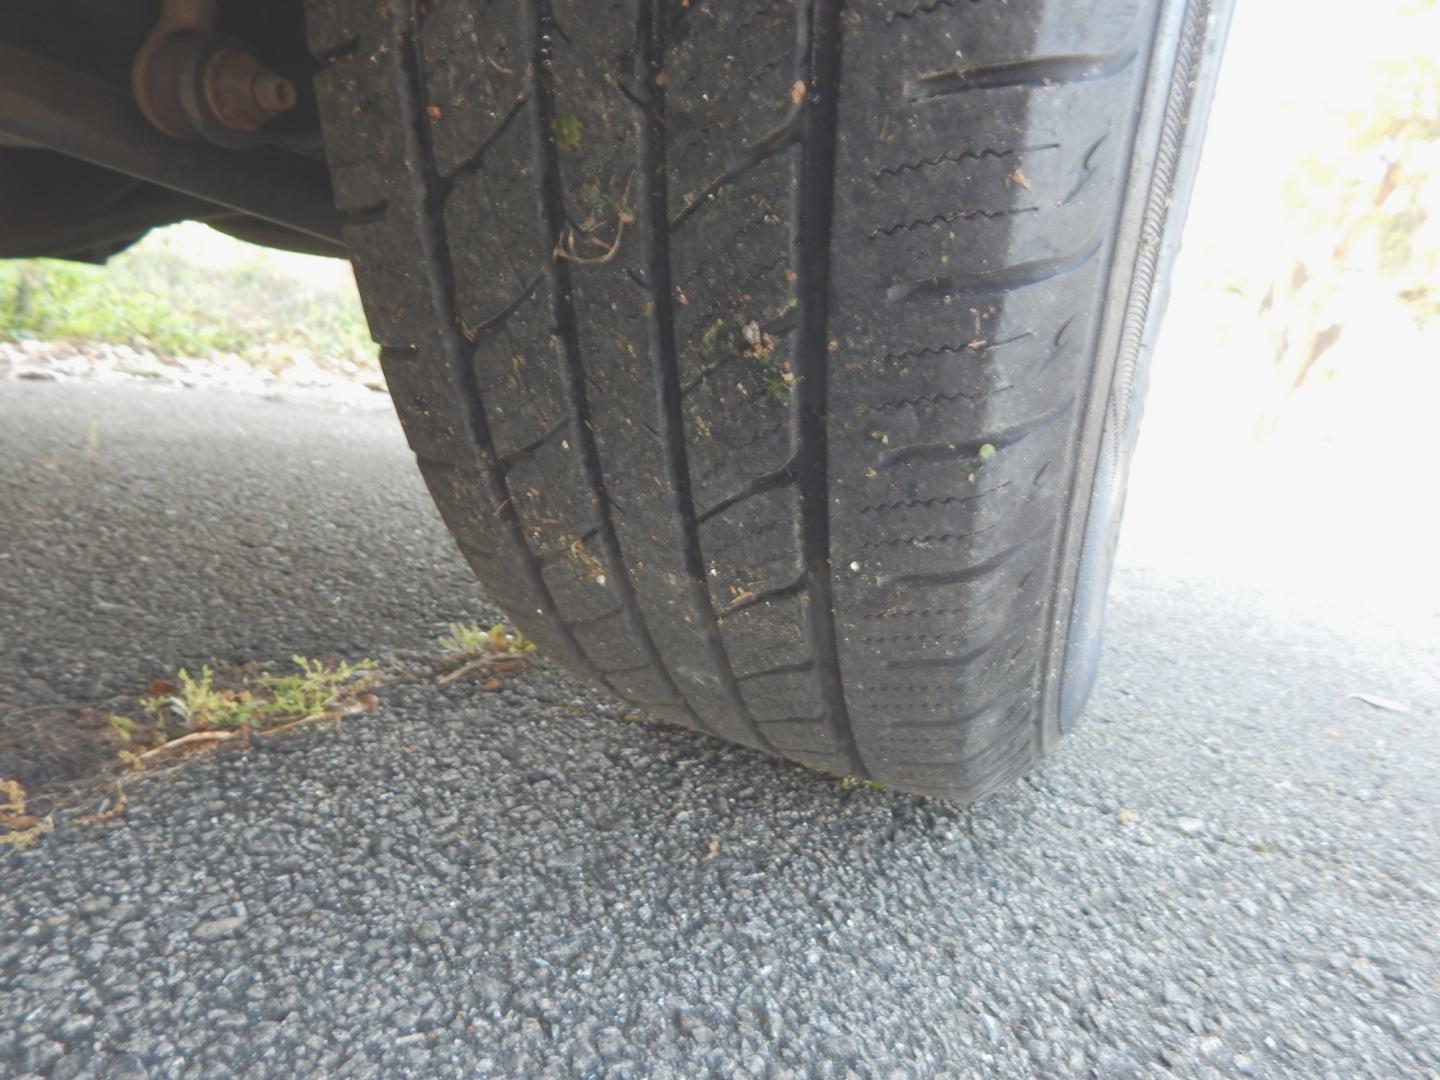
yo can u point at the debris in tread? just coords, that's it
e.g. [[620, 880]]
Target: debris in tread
[[781, 592]]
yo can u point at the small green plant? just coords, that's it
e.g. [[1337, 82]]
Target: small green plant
[[312, 688], [196, 705], [122, 727], [267, 701], [462, 639], [468, 639]]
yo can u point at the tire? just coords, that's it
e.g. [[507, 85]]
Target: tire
[[773, 367]]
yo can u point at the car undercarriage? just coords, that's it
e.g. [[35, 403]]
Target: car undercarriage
[[117, 116]]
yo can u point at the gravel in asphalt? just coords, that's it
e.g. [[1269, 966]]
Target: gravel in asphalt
[[1229, 869]]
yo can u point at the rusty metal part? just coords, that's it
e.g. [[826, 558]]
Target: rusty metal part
[[226, 94], [243, 93], [49, 105], [155, 74], [190, 81]]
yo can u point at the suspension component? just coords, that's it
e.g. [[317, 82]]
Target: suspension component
[[191, 81]]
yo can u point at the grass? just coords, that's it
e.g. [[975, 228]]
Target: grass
[[186, 291]]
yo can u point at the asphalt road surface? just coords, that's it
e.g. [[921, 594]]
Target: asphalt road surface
[[1229, 869]]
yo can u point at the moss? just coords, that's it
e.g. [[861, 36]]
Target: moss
[[567, 131]]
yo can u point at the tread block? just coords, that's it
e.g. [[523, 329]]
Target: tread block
[[751, 548], [475, 75], [365, 148], [397, 297]]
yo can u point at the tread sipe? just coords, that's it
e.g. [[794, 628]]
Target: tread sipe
[[763, 356]]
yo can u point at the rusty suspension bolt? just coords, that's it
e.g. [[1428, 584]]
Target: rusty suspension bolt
[[243, 93]]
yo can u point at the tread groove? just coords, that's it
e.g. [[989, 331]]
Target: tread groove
[[970, 714], [959, 451], [476, 161], [439, 269], [955, 157], [949, 218], [922, 9], [527, 451], [979, 345], [1088, 167], [1030, 71], [780, 592], [992, 281], [932, 399], [819, 35], [798, 668], [964, 659], [946, 500], [794, 720], [766, 482], [784, 134], [593, 620], [540, 29], [924, 539], [965, 574], [664, 355], [491, 323]]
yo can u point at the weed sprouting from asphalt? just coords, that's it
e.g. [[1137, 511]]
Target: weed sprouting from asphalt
[[465, 640], [853, 783], [260, 702]]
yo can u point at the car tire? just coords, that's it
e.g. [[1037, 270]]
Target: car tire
[[776, 364]]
